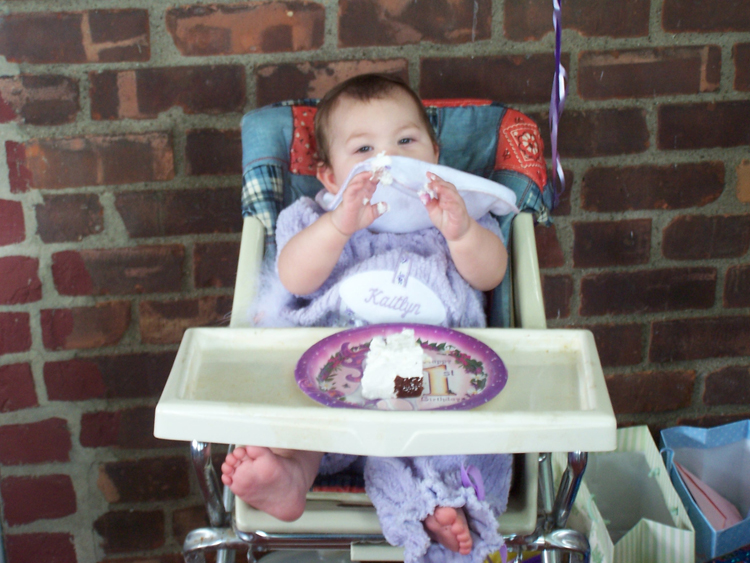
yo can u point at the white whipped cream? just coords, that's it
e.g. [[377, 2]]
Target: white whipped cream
[[381, 165], [397, 354]]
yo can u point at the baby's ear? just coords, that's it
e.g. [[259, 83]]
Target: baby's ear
[[326, 177]]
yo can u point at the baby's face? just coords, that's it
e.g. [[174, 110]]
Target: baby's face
[[361, 130]]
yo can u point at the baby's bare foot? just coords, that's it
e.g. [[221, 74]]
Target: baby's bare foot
[[274, 483], [449, 528]]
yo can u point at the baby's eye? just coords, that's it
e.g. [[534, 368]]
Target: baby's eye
[[405, 141], [364, 149]]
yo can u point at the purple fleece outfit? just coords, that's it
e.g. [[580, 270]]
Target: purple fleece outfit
[[404, 491]]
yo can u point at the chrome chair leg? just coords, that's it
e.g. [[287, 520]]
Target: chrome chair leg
[[219, 503], [201, 540], [555, 512], [566, 493], [208, 482]]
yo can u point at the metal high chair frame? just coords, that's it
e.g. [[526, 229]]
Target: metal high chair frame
[[547, 532]]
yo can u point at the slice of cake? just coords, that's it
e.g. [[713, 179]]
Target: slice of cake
[[393, 367]]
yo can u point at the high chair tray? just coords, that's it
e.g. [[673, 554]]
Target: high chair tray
[[237, 386]]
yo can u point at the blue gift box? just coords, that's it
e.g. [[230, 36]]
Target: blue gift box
[[719, 456]]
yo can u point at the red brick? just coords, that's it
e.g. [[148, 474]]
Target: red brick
[[652, 391], [509, 79], [28, 499], [145, 93], [215, 264], [94, 160], [737, 286], [104, 324], [73, 380], [75, 37], [164, 322], [743, 181], [130, 530], [262, 27], [611, 243], [152, 213], [294, 81], [100, 429], [701, 237], [122, 376], [728, 386], [601, 132], [379, 22], [618, 345], [36, 442], [548, 247], [15, 333], [741, 56], [36, 547], [19, 175], [699, 338], [681, 16], [45, 99], [12, 225], [529, 20], [69, 217], [705, 125], [557, 292], [213, 151], [127, 429], [119, 271], [674, 186], [20, 280], [17, 389], [648, 291], [645, 73], [144, 480]]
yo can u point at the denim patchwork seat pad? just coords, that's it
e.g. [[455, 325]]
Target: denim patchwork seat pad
[[481, 137]]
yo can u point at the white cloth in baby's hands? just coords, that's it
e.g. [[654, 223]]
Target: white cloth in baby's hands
[[404, 179]]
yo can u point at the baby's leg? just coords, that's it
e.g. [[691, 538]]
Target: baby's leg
[[449, 528], [274, 481]]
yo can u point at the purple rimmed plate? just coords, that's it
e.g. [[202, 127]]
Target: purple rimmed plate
[[462, 373]]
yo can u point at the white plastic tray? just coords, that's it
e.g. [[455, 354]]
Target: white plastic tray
[[237, 386]]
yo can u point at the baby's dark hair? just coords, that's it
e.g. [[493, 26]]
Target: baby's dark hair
[[362, 88]]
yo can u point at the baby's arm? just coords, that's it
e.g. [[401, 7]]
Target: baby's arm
[[310, 256], [479, 255]]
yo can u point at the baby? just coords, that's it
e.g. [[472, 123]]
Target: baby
[[440, 507]]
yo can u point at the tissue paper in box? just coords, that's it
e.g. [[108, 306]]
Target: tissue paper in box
[[720, 457]]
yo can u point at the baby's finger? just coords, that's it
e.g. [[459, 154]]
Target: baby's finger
[[436, 183]]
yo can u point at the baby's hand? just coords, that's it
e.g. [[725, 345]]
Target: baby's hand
[[355, 211], [447, 210]]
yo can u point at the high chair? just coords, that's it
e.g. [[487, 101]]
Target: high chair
[[561, 404]]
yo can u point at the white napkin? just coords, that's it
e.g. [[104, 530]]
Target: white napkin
[[408, 177]]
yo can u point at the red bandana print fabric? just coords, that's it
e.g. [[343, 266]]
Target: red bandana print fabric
[[303, 156], [520, 147]]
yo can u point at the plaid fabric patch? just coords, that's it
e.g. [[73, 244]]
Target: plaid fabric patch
[[263, 195]]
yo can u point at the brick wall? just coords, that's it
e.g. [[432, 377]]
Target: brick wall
[[119, 214]]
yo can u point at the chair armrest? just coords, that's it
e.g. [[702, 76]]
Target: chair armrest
[[527, 286], [248, 270]]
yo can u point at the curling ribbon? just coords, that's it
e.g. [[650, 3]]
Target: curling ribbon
[[471, 477], [557, 104]]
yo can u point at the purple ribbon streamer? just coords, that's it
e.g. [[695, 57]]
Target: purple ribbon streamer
[[472, 477], [557, 104]]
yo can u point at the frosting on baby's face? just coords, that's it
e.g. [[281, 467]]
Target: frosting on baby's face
[[362, 130]]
